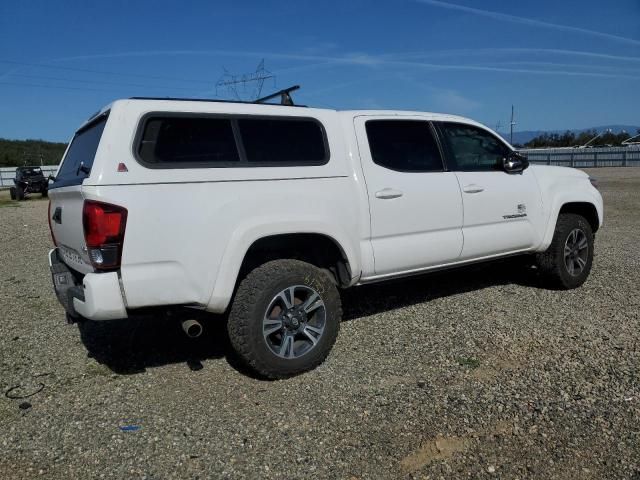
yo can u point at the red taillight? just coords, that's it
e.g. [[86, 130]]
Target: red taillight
[[53, 237], [104, 226]]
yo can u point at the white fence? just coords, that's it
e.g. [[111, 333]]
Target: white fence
[[7, 174], [585, 157]]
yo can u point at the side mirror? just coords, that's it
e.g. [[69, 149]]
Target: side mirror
[[515, 162], [51, 178]]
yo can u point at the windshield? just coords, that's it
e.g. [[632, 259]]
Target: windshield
[[30, 172], [78, 161]]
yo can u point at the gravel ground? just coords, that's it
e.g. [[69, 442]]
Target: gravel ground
[[478, 373]]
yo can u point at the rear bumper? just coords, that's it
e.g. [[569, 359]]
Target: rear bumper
[[37, 187], [97, 297]]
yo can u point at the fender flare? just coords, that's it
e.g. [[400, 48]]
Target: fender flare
[[558, 202], [243, 238]]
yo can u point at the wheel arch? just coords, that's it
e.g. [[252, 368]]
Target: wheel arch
[[318, 249], [328, 251], [587, 208], [584, 209]]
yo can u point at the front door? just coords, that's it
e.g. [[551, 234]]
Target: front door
[[415, 206], [502, 211]]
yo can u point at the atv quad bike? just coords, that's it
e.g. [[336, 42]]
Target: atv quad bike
[[29, 180]]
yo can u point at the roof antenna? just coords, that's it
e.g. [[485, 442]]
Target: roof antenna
[[285, 96]]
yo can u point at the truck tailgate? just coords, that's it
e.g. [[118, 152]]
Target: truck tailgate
[[65, 214]]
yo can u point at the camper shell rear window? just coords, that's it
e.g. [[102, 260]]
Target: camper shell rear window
[[167, 140], [77, 163]]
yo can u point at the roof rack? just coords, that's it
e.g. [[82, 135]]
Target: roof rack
[[285, 98]]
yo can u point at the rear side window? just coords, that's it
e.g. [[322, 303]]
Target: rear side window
[[78, 161], [404, 145], [184, 141], [282, 141]]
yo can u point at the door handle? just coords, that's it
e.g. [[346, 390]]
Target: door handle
[[473, 188], [387, 193]]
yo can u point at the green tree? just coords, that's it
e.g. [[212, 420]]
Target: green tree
[[19, 152], [570, 139]]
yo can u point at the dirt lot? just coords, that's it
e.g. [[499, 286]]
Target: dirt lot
[[478, 373]]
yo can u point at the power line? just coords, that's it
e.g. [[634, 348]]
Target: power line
[[44, 77], [102, 72], [87, 89]]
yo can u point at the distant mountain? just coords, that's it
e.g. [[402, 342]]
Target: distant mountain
[[523, 137]]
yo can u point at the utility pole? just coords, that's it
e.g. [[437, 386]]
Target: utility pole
[[512, 124]]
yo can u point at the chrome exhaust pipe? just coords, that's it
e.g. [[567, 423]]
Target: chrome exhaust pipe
[[192, 328]]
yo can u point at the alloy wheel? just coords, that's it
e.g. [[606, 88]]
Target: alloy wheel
[[576, 252], [294, 321]]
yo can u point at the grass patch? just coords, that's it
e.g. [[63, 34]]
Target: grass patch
[[469, 362], [7, 202]]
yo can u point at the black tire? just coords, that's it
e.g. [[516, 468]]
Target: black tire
[[19, 193], [257, 293], [12, 193], [560, 268], [45, 193]]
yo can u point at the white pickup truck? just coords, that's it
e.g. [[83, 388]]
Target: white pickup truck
[[263, 212]]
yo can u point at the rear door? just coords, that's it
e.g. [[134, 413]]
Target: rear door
[[415, 206], [65, 195], [502, 211]]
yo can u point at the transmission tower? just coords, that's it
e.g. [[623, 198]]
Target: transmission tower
[[246, 86]]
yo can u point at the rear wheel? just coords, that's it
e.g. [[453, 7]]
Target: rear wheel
[[285, 318], [45, 192], [567, 262], [12, 193]]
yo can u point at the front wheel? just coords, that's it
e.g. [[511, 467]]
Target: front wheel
[[567, 262], [19, 193], [285, 318], [12, 193]]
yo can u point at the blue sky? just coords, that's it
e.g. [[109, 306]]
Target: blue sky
[[563, 64]]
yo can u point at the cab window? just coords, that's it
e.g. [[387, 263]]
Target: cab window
[[471, 149]]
